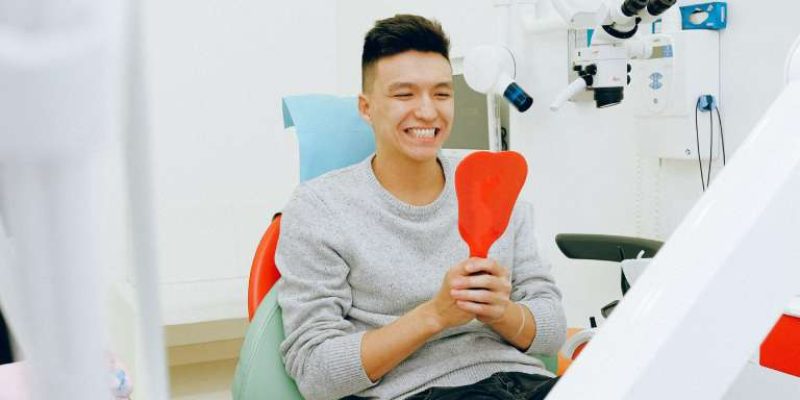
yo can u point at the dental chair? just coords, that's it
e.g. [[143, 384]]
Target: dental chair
[[330, 135], [607, 248]]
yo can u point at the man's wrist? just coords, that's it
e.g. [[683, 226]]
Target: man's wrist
[[507, 318], [428, 319]]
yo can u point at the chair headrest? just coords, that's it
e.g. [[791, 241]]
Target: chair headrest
[[330, 132]]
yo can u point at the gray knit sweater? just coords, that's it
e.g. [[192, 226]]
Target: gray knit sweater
[[354, 258]]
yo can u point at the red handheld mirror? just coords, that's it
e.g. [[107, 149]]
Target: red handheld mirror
[[487, 187]]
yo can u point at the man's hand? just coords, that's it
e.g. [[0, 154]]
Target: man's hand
[[462, 297], [485, 291], [442, 307], [384, 348]]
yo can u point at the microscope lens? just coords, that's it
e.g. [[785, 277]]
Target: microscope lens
[[608, 96], [632, 7], [657, 7], [516, 96]]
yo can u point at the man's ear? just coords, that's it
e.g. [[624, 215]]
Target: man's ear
[[363, 108]]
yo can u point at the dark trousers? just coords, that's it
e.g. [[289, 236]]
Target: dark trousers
[[500, 386]]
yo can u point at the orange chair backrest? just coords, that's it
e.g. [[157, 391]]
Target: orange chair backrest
[[264, 273]]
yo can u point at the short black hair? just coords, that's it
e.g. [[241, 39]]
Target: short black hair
[[398, 34]]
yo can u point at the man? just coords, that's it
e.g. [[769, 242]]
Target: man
[[378, 299]]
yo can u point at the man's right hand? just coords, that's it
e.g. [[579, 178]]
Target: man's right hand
[[442, 307], [384, 348]]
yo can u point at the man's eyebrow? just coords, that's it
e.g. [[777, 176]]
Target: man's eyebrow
[[447, 85], [405, 85], [401, 85]]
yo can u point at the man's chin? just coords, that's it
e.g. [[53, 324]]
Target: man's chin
[[423, 155]]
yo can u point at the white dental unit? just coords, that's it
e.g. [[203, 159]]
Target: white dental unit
[[688, 328]]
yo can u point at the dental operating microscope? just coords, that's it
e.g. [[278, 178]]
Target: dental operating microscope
[[603, 66]]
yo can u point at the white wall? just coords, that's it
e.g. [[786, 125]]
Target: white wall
[[466, 22], [216, 72], [753, 50]]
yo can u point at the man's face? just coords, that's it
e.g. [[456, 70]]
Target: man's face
[[410, 105]]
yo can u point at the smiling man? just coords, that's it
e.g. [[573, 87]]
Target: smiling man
[[378, 297]]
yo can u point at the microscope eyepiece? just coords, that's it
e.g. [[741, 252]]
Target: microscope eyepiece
[[608, 96], [632, 7], [657, 7]]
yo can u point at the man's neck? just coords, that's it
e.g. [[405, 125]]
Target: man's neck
[[415, 183]]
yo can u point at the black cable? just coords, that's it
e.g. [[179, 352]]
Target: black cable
[[721, 134], [697, 137], [710, 143]]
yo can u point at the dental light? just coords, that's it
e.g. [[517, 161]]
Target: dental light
[[491, 70], [603, 66]]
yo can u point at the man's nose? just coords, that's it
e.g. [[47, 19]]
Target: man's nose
[[426, 109]]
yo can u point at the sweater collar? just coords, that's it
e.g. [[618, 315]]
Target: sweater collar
[[403, 208]]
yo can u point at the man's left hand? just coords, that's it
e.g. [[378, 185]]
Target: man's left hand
[[486, 292]]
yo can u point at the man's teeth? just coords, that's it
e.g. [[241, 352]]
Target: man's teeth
[[423, 133]]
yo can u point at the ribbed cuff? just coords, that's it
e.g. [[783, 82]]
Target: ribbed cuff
[[551, 326], [343, 367]]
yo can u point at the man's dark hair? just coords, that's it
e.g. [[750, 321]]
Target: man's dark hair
[[398, 34]]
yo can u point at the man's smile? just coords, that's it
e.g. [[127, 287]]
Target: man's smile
[[422, 134]]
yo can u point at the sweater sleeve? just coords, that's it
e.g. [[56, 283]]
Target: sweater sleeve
[[322, 349], [534, 287]]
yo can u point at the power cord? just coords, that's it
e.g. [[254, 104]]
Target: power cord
[[708, 103], [721, 134], [710, 144], [697, 138]]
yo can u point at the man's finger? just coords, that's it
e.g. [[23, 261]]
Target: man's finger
[[475, 265], [479, 309], [477, 296], [485, 281]]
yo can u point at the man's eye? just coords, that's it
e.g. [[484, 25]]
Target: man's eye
[[443, 95], [403, 95]]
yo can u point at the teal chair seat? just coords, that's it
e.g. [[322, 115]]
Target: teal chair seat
[[260, 373]]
